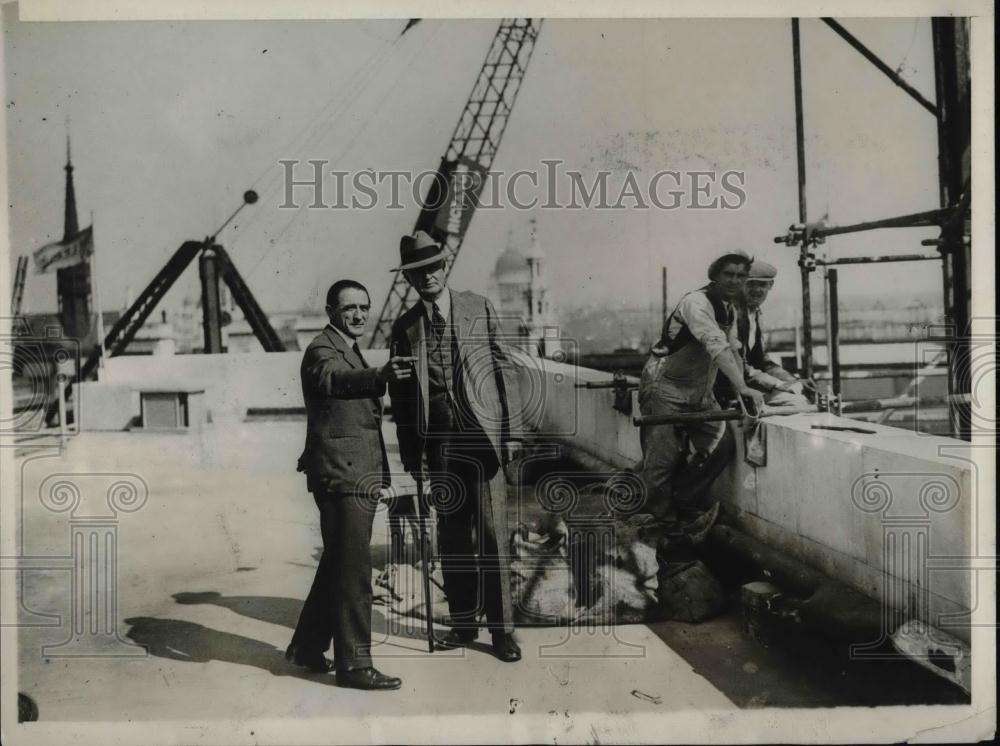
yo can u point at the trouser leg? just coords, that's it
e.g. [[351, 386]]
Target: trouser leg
[[458, 560], [494, 554], [314, 630], [661, 453], [713, 447], [472, 540], [661, 444], [352, 519]]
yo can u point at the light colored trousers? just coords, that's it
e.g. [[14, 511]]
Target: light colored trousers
[[679, 462]]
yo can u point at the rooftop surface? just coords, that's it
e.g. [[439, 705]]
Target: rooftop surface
[[212, 570]]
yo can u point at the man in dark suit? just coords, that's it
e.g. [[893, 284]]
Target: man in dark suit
[[461, 414], [780, 387], [345, 465]]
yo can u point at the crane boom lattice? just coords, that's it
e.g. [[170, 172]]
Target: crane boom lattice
[[473, 144], [20, 275]]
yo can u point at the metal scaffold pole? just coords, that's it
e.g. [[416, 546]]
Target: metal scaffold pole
[[951, 72], [953, 113], [833, 340], [804, 258]]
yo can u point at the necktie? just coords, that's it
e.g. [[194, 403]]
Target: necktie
[[437, 321], [357, 351], [743, 332]]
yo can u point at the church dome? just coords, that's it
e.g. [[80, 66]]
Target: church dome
[[510, 262]]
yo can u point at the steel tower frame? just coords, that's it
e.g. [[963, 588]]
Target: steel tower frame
[[952, 111], [476, 138]]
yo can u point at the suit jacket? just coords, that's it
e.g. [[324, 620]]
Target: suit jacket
[[344, 450], [760, 371], [489, 379]]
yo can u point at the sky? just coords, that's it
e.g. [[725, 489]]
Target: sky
[[172, 121]]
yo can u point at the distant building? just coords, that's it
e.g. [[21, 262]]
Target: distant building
[[239, 337], [186, 321], [518, 290], [307, 326], [154, 338]]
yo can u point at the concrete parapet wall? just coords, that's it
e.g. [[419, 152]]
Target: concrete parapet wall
[[583, 418], [881, 512], [233, 383], [105, 406]]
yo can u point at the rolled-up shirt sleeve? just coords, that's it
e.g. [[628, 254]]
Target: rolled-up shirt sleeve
[[760, 379], [695, 309]]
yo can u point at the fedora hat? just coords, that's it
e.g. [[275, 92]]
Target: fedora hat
[[418, 250]]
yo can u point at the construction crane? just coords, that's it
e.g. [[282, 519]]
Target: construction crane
[[214, 265], [20, 275], [451, 200]]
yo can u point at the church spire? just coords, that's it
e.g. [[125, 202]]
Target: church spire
[[72, 227]]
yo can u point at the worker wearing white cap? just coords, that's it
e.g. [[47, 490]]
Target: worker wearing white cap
[[699, 339], [780, 387]]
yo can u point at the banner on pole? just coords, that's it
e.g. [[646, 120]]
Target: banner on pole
[[65, 253]]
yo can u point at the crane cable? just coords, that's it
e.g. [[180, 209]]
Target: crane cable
[[320, 124], [350, 144]]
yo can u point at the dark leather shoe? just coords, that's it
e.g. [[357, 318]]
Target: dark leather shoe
[[315, 662], [505, 648], [456, 638], [367, 678]]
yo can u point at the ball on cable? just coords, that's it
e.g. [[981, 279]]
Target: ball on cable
[[249, 196]]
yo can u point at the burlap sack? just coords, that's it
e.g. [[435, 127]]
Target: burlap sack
[[688, 592]]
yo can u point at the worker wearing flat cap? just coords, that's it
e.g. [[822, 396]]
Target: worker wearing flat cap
[[761, 372], [699, 339]]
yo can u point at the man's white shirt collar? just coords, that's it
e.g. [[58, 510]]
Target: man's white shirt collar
[[351, 341], [443, 303]]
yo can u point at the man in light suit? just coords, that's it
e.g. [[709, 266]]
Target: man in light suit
[[345, 465], [461, 414]]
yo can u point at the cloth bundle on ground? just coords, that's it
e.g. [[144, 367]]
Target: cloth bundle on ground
[[401, 588], [590, 571]]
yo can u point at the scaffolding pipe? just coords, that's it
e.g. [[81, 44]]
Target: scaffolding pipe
[[827, 330], [716, 415], [928, 370], [629, 383], [953, 91], [925, 219], [833, 343], [901, 402], [879, 259], [800, 152], [864, 375], [951, 67], [855, 407], [895, 77]]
